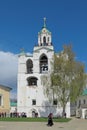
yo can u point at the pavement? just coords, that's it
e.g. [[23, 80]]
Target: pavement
[[74, 124]]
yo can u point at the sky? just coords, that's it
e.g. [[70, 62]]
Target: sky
[[20, 22]]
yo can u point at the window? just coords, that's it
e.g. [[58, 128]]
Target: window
[[75, 103], [29, 66], [40, 39], [43, 64], [48, 39], [32, 81], [84, 101], [79, 103], [44, 39], [0, 100], [55, 102], [33, 102]]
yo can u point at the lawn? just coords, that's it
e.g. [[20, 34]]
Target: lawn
[[34, 119]]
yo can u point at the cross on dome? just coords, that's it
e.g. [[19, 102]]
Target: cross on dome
[[44, 22]]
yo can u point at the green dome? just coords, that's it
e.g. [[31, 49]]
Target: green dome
[[44, 30]]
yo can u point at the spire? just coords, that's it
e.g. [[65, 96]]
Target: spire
[[22, 52], [44, 22]]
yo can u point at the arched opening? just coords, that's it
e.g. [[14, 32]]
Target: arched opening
[[29, 66], [48, 39], [44, 39], [43, 63], [34, 113], [32, 81]]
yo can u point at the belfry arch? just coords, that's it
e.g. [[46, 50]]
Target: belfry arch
[[43, 63]]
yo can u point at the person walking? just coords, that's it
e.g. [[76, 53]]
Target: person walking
[[50, 119]]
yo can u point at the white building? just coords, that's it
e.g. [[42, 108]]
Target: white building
[[81, 105], [31, 98]]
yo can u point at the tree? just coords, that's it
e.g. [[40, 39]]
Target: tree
[[67, 80]]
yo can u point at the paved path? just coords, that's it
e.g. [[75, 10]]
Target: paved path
[[74, 124]]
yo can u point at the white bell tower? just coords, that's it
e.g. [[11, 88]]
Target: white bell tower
[[31, 98]]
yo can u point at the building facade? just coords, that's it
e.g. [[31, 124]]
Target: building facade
[[81, 105], [30, 92], [4, 99]]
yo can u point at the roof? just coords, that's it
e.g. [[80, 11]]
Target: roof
[[43, 47], [5, 87], [13, 104], [44, 30], [22, 54], [85, 92]]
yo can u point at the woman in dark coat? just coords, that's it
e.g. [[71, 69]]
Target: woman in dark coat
[[50, 120]]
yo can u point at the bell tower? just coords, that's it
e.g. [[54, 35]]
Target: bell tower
[[44, 36]]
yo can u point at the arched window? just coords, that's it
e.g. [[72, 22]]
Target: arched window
[[40, 39], [44, 39], [32, 81], [43, 63], [79, 103], [48, 39], [0, 100], [29, 66], [84, 101]]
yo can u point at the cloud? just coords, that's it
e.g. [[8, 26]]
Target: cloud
[[8, 70]]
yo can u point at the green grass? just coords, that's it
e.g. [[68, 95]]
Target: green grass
[[61, 119], [34, 119]]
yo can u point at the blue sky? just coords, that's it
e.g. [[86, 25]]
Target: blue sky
[[21, 20]]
